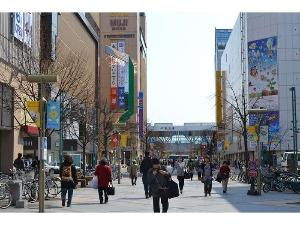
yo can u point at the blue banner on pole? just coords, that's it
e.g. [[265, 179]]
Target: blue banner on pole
[[121, 96], [53, 115]]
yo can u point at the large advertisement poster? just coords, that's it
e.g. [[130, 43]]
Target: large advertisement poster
[[263, 74], [18, 26], [23, 27], [141, 114]]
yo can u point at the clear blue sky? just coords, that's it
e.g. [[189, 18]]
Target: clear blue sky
[[181, 80]]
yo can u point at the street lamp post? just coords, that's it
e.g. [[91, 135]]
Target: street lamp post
[[295, 129], [259, 147], [41, 79]]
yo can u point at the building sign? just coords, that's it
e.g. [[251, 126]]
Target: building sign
[[23, 27], [141, 114], [121, 78], [119, 23], [114, 79], [263, 74], [53, 115]]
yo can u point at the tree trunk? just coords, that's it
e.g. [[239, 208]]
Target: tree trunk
[[83, 158]]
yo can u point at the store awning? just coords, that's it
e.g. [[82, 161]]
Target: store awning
[[30, 130]]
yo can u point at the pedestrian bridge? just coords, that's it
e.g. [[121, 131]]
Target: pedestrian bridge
[[181, 139]]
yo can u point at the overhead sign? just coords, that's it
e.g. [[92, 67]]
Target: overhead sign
[[53, 115]]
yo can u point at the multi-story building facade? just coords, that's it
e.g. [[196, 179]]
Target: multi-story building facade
[[262, 60], [127, 33], [73, 39], [19, 43], [221, 38], [31, 43]]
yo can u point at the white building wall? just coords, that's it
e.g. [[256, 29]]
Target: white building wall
[[286, 26]]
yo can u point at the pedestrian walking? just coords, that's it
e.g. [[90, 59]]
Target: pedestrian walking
[[180, 167], [198, 167], [158, 179], [207, 168], [146, 165], [35, 166], [68, 177], [225, 171], [133, 172], [191, 167], [104, 174], [18, 163]]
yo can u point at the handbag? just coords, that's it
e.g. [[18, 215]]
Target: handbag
[[173, 190], [110, 190], [219, 177], [186, 175]]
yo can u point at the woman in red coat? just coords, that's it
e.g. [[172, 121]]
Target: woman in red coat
[[103, 172], [224, 171]]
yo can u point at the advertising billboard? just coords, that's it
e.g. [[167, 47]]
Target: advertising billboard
[[263, 74], [114, 79], [121, 78], [23, 27]]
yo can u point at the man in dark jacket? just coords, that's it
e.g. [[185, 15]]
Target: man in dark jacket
[[145, 166], [18, 163], [158, 181]]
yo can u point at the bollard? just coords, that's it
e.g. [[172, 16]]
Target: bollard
[[15, 189]]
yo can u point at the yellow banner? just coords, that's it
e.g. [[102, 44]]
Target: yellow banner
[[123, 141], [34, 111], [219, 116]]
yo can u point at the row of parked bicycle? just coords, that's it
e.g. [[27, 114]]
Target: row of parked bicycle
[[29, 186], [272, 180]]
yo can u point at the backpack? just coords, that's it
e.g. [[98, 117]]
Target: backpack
[[67, 173]]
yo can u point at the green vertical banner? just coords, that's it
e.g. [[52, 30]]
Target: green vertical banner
[[124, 117]]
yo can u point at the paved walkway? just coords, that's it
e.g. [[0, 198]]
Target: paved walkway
[[131, 199]]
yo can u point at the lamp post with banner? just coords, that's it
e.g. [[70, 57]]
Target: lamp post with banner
[[41, 79], [262, 138]]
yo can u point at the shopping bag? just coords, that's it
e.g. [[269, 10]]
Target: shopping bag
[[94, 182], [219, 177]]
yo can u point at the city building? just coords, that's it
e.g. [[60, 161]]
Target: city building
[[125, 32], [72, 39], [221, 38], [260, 63], [19, 43]]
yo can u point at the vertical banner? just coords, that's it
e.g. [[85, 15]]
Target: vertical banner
[[33, 108], [114, 98], [114, 141], [27, 28], [123, 141], [114, 80], [141, 114], [53, 115], [18, 26], [121, 78]]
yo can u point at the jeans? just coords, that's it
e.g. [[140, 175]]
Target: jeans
[[224, 184], [133, 180], [181, 182], [100, 192], [191, 175], [199, 175], [164, 202], [207, 186], [64, 193]]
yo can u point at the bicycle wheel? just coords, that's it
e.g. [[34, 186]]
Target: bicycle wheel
[[32, 193], [5, 202], [266, 188], [280, 187]]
